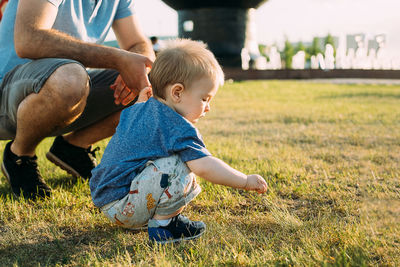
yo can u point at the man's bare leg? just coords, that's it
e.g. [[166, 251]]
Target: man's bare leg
[[98, 131], [61, 100]]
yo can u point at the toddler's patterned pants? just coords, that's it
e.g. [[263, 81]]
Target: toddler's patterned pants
[[163, 187]]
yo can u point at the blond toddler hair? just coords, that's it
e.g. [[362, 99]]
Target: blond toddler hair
[[183, 61]]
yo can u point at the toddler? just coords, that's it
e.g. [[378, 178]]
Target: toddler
[[147, 173]]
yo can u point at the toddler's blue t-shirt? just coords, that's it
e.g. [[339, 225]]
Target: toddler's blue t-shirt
[[146, 131]]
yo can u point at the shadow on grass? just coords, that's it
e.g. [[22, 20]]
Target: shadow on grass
[[71, 248], [63, 181]]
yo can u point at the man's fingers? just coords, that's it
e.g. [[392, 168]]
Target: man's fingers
[[118, 94], [120, 88], [129, 98], [117, 81], [123, 94]]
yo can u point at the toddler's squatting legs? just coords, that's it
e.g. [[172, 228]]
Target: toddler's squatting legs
[[157, 196]]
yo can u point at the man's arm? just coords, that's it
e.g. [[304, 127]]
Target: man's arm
[[216, 171], [35, 38], [130, 37]]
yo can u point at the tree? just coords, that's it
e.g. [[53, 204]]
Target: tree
[[329, 40], [261, 48], [315, 48], [288, 53], [301, 47]]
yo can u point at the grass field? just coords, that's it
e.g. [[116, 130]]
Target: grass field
[[330, 154]]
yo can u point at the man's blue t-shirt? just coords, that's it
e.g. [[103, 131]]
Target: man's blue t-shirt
[[87, 20], [146, 131]]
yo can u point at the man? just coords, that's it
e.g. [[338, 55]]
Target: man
[[3, 4], [46, 90]]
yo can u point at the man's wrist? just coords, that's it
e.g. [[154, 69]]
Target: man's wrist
[[121, 57], [143, 48]]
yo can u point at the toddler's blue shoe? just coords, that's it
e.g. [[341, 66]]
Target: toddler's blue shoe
[[180, 228]]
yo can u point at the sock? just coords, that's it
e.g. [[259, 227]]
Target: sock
[[164, 222], [15, 157]]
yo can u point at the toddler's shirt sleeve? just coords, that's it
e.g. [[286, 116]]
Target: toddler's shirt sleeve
[[190, 146]]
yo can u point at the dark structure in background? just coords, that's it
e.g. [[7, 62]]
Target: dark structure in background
[[222, 24]]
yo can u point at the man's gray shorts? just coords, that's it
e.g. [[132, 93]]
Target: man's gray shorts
[[30, 78]]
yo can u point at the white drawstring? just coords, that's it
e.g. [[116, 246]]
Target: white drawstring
[[95, 10]]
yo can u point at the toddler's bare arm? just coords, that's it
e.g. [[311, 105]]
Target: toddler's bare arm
[[216, 171]]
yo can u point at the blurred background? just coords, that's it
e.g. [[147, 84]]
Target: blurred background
[[280, 34], [298, 34]]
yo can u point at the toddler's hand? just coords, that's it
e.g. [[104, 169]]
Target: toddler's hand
[[144, 95], [256, 183]]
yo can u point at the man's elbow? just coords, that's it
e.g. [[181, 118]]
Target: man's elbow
[[20, 51], [23, 45]]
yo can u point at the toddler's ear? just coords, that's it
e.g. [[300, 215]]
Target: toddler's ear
[[176, 92]]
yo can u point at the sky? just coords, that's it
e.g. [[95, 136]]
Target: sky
[[297, 20]]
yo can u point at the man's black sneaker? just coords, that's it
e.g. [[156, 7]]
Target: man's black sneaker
[[77, 161], [180, 228], [23, 175]]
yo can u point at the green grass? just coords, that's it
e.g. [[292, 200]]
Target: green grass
[[330, 154]]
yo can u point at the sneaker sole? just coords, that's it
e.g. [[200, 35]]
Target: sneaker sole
[[54, 159], [4, 171], [169, 241]]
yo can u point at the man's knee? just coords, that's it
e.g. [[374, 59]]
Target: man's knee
[[69, 83]]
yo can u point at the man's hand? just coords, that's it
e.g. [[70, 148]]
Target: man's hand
[[133, 70], [135, 64], [122, 93], [256, 183]]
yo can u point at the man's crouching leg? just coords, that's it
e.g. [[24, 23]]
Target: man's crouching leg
[[37, 107]]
